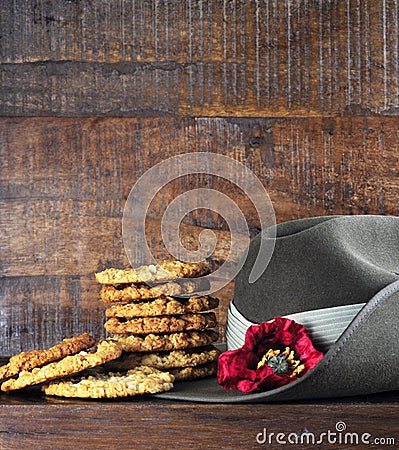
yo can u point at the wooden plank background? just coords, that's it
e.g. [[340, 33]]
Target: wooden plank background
[[200, 58], [93, 93]]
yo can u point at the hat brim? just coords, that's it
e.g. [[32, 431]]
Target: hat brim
[[357, 364]]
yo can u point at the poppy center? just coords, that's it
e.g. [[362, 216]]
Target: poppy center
[[282, 362], [279, 364]]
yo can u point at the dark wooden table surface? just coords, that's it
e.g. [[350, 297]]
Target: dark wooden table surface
[[93, 93], [33, 421]]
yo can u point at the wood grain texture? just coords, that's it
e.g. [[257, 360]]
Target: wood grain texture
[[238, 58], [39, 311], [64, 183], [124, 425]]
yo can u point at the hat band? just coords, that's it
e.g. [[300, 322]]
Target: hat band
[[325, 325]]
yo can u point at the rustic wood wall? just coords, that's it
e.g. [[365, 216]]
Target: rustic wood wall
[[93, 93]]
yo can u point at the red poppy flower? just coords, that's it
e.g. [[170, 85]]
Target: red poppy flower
[[274, 354]]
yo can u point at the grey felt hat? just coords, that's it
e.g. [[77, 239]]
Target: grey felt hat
[[339, 277]]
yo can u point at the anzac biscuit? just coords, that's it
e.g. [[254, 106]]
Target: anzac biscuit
[[164, 271], [166, 342], [161, 324], [37, 358], [140, 380], [132, 292], [165, 360], [106, 351], [194, 373], [162, 306]]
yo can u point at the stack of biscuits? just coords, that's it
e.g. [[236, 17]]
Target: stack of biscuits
[[155, 325], [157, 337], [75, 368]]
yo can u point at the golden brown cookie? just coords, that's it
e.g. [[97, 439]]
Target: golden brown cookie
[[132, 292], [162, 306], [166, 342], [140, 380], [161, 324], [194, 373], [37, 358], [164, 271], [165, 360], [106, 351]]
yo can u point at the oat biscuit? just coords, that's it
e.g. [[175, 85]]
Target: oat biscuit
[[106, 351], [164, 271], [131, 292], [140, 380], [37, 358], [166, 342], [165, 360], [194, 373], [161, 324], [162, 306]]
